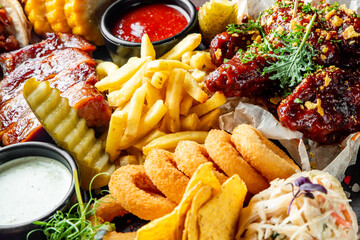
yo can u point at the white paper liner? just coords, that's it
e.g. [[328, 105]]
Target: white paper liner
[[333, 159]]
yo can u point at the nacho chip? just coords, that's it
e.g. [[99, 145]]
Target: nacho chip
[[217, 219], [205, 175], [171, 226], [161, 229], [191, 227]]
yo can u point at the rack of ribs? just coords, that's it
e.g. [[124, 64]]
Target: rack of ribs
[[62, 59]]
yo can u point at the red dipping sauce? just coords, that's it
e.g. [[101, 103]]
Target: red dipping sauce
[[158, 21]]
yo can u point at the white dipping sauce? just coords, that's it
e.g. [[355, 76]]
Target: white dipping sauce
[[31, 187]]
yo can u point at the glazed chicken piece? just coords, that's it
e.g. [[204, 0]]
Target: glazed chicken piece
[[345, 24], [69, 68], [235, 78], [276, 22], [324, 106], [225, 45]]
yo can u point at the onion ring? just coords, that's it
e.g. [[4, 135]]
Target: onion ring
[[189, 155], [262, 154], [221, 150], [108, 208], [135, 192], [119, 236], [161, 169]]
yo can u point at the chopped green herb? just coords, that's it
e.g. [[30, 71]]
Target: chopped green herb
[[298, 100], [334, 6], [246, 27], [307, 8]]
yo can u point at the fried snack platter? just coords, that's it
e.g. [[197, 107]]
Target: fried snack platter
[[175, 118]]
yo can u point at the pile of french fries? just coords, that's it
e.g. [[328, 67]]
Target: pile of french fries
[[158, 102]]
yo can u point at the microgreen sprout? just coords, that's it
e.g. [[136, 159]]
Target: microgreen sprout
[[74, 223], [306, 187]]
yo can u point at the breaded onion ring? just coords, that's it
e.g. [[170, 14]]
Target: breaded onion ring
[[108, 208], [262, 154], [135, 192], [161, 169], [189, 155], [221, 150], [119, 236]]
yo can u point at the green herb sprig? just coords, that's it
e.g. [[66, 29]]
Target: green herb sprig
[[74, 224], [294, 59]]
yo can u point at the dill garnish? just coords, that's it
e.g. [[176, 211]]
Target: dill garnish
[[74, 223], [294, 59]]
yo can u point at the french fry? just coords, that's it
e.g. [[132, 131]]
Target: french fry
[[173, 98], [201, 60], [170, 87], [189, 43], [198, 75], [159, 78], [103, 69], [148, 138], [186, 104], [124, 94], [190, 122], [128, 159], [147, 49], [151, 118], [116, 129], [121, 75], [186, 57], [170, 141], [134, 115], [215, 101], [208, 120], [164, 65], [152, 94], [193, 89]]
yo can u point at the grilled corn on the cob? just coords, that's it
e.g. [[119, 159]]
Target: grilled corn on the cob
[[36, 12], [56, 16]]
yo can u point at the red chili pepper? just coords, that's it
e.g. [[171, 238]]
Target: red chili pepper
[[347, 179]]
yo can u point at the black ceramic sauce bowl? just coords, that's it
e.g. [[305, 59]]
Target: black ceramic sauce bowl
[[121, 50], [35, 149]]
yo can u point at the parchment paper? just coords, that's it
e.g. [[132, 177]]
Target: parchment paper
[[308, 154]]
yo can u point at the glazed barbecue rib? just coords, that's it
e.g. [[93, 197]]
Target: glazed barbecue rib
[[68, 68], [9, 61], [334, 40]]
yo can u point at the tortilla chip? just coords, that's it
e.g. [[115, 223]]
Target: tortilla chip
[[217, 219]]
